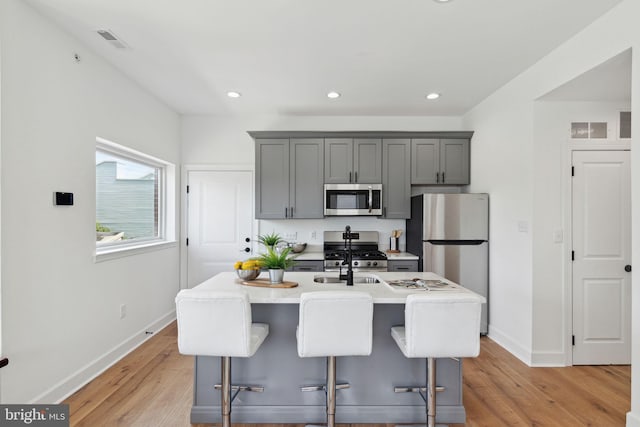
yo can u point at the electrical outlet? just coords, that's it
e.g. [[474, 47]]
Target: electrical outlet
[[123, 311], [313, 235], [291, 236]]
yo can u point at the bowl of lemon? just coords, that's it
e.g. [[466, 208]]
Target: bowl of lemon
[[247, 270]]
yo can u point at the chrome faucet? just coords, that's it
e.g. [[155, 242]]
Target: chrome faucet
[[348, 257]]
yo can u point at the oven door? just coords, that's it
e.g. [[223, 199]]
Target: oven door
[[352, 199]]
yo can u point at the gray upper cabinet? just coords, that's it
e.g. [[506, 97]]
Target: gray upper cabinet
[[440, 161], [396, 178], [289, 178], [306, 178], [352, 160], [272, 178]]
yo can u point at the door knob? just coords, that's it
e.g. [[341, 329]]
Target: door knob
[[627, 268], [247, 249]]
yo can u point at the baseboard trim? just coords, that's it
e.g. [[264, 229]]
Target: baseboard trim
[[633, 420], [347, 414], [510, 345], [87, 373], [548, 360]]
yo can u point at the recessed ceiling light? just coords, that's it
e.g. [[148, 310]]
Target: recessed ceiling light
[[433, 96], [233, 94], [441, 1], [333, 95]]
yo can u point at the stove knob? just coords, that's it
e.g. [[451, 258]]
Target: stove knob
[[368, 263], [355, 262], [337, 263], [375, 263]]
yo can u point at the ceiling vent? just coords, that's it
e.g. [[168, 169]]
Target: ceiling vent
[[112, 39]]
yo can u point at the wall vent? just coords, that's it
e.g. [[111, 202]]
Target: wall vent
[[112, 39]]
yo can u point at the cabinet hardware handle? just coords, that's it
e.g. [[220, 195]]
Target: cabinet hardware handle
[[246, 239], [443, 177], [291, 212], [286, 212], [627, 268], [437, 177], [305, 268], [356, 174], [349, 176], [247, 250]]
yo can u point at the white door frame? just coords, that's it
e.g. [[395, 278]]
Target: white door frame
[[248, 167], [575, 145]]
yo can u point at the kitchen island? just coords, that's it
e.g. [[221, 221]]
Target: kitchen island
[[277, 367]]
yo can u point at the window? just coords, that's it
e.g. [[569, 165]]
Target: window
[[625, 125], [589, 130], [131, 199]]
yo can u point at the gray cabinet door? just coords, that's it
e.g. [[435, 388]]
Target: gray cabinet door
[[402, 265], [306, 178], [425, 161], [367, 161], [454, 161], [308, 266], [396, 178], [338, 160], [272, 178]]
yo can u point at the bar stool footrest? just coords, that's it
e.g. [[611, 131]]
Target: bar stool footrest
[[253, 388], [323, 387], [411, 389]]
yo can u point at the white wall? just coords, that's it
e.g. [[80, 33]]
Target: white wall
[[1, 314], [224, 140], [633, 417], [504, 129], [60, 310]]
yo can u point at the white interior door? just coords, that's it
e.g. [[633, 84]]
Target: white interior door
[[219, 222], [601, 230]]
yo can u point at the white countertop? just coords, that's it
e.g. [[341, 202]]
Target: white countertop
[[397, 256], [310, 256], [382, 293]]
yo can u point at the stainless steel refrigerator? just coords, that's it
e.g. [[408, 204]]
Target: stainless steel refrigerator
[[450, 234]]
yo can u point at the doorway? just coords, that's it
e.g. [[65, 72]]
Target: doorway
[[601, 257]]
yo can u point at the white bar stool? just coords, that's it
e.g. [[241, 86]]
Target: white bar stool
[[334, 323], [437, 325], [216, 323]]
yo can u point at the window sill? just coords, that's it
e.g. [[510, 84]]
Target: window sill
[[106, 254]]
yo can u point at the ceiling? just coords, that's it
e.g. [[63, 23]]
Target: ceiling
[[283, 56]]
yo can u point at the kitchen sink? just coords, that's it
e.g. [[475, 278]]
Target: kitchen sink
[[335, 279]]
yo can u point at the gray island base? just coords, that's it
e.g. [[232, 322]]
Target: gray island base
[[277, 367]]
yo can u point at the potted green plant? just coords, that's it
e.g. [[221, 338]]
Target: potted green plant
[[270, 240], [276, 261]]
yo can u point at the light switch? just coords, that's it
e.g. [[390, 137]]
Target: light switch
[[523, 226]]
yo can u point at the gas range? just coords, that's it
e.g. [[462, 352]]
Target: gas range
[[365, 253]]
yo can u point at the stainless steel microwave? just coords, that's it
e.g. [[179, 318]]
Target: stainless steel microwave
[[352, 199]]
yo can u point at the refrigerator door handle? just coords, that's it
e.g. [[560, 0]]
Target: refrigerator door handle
[[455, 242]]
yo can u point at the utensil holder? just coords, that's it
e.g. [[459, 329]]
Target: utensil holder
[[394, 244]]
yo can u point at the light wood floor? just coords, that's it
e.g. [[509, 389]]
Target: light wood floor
[[152, 387]]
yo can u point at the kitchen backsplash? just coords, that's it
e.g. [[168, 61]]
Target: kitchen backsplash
[[310, 231]]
